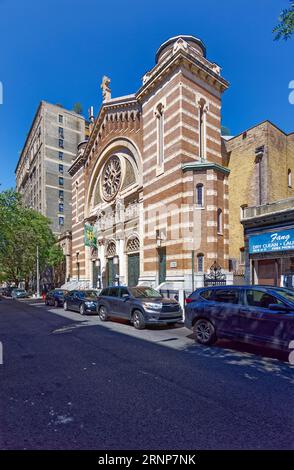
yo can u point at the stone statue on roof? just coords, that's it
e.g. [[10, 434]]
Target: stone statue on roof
[[106, 91]]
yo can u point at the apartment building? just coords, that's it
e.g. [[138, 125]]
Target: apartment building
[[42, 169]]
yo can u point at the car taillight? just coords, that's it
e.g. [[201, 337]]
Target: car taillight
[[189, 300]]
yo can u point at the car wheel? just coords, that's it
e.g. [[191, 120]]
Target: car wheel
[[204, 332], [82, 309], [138, 320], [103, 314], [65, 306], [56, 304]]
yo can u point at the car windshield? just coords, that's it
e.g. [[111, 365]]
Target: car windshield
[[91, 293], [142, 292], [287, 294], [60, 292]]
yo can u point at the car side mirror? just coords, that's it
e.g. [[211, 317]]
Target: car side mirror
[[279, 308], [126, 297]]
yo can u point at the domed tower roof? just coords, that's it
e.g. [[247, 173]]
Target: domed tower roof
[[191, 40]]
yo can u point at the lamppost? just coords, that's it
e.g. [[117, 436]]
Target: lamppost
[[78, 264], [98, 266], [116, 270]]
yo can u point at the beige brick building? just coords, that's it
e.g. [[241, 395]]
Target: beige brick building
[[261, 162], [152, 181]]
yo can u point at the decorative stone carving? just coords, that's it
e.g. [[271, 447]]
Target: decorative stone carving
[[133, 245], [106, 91], [180, 44], [111, 250], [111, 178]]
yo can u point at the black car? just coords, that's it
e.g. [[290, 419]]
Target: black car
[[142, 305], [83, 301], [55, 297], [261, 314]]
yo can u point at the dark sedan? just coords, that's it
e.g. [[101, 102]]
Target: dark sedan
[[142, 305], [55, 297], [83, 301], [259, 314]]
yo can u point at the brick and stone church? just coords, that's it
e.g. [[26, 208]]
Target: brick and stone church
[[150, 186]]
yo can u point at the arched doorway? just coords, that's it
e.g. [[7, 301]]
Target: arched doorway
[[110, 266], [133, 254]]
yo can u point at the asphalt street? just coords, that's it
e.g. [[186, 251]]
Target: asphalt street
[[71, 382]]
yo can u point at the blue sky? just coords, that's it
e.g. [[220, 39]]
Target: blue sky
[[58, 50]]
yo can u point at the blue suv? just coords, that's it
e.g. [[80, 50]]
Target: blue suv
[[259, 314]]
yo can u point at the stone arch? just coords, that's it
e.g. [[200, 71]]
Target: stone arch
[[110, 249], [132, 244], [117, 145]]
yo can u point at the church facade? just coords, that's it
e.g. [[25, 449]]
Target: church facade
[[150, 186]]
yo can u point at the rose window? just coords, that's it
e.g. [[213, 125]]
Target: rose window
[[111, 178]]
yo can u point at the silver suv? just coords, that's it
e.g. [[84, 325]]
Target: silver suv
[[142, 305]]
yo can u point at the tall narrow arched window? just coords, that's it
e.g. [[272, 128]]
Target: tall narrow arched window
[[219, 221], [202, 128], [200, 262], [289, 178], [160, 134], [199, 195]]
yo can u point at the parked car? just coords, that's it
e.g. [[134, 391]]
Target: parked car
[[55, 297], [19, 294], [142, 305], [83, 301], [259, 314], [7, 291]]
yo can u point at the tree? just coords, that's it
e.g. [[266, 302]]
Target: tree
[[77, 108], [285, 28], [22, 230], [225, 131]]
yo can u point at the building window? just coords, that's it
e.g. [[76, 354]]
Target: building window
[[60, 119], [61, 181], [61, 207], [289, 178], [61, 194], [200, 263], [60, 155], [202, 128], [199, 195], [219, 221], [242, 256], [160, 134], [61, 220], [60, 167], [242, 210], [60, 132], [60, 142]]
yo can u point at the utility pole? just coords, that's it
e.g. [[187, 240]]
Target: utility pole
[[38, 274]]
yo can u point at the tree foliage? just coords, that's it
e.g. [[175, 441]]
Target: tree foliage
[[285, 28], [77, 108], [22, 230]]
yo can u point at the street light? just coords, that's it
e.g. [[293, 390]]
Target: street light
[[98, 266]]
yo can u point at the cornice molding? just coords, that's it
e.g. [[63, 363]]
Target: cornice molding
[[181, 58], [198, 166]]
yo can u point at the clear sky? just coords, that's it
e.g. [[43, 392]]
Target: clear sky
[[58, 50]]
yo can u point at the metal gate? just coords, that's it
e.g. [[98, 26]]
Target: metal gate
[[215, 277]]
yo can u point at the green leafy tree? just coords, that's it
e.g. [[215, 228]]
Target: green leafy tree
[[22, 230], [77, 108], [285, 28]]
